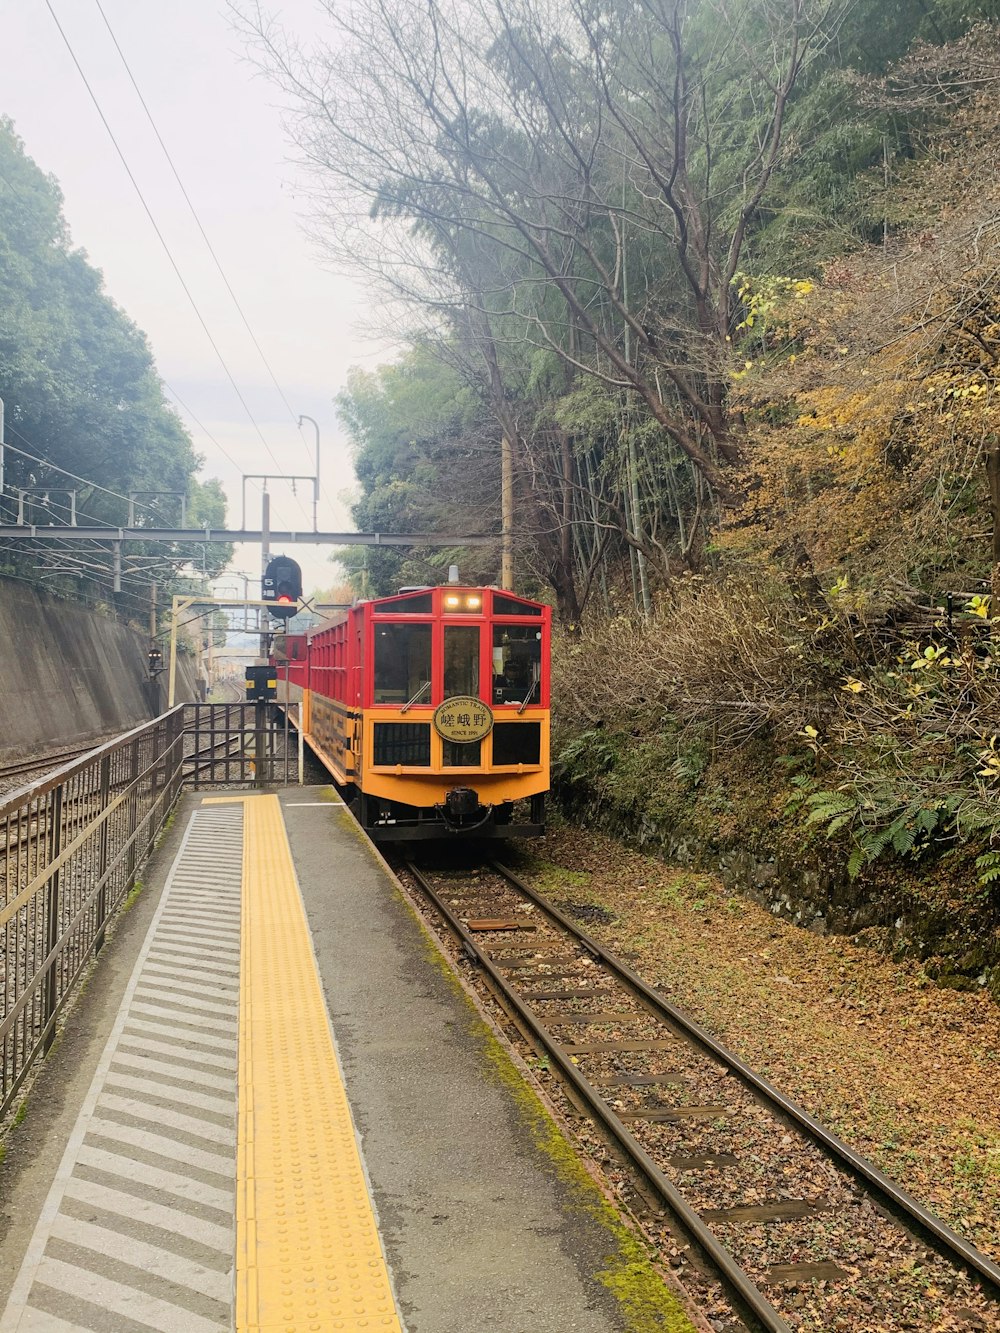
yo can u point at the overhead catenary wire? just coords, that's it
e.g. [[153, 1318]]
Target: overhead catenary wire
[[73, 476], [106, 490], [84, 567], [85, 556], [194, 212], [55, 505], [160, 237], [57, 467], [225, 453], [296, 417]]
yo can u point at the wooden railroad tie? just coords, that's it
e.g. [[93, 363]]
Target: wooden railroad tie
[[782, 1210], [484, 923]]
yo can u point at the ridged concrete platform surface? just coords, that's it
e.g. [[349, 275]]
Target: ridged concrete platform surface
[[137, 1231]]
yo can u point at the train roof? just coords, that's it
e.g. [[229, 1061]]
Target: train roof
[[433, 599]]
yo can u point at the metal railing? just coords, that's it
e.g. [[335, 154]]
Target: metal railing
[[73, 843], [235, 745]]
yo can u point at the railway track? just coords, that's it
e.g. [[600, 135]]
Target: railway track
[[41, 763], [228, 692], [215, 754], [777, 1224]]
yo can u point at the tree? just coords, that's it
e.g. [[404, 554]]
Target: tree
[[424, 463], [77, 377], [574, 139]]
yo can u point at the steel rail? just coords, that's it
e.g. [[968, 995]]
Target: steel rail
[[748, 1298], [56, 777], [42, 761], [973, 1260]]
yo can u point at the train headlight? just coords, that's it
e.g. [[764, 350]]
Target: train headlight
[[452, 600], [473, 602]]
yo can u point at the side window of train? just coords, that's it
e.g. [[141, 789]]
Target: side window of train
[[402, 663]]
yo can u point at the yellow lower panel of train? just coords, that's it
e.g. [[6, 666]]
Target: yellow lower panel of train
[[400, 757]]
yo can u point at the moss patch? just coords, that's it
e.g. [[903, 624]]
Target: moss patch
[[131, 897], [649, 1306]]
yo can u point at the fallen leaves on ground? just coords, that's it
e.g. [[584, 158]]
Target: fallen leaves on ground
[[905, 1072]]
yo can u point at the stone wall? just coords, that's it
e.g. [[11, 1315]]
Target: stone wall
[[69, 675]]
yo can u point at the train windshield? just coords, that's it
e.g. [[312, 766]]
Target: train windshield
[[517, 663], [402, 664], [461, 660]]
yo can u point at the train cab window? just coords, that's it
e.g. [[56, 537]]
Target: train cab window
[[402, 664], [512, 606], [415, 605], [466, 603], [517, 664], [461, 660]]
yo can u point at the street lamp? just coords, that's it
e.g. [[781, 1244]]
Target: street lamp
[[315, 427]]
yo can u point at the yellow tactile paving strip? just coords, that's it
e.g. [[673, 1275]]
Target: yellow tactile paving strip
[[308, 1254]]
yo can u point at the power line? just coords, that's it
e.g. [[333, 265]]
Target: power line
[[202, 427], [53, 506], [166, 248], [84, 481], [194, 214]]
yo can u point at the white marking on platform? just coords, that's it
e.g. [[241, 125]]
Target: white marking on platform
[[152, 1158], [306, 805]]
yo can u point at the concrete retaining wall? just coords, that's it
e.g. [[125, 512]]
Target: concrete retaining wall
[[69, 675]]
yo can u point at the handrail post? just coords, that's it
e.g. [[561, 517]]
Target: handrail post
[[260, 741], [102, 855], [135, 768], [50, 996]]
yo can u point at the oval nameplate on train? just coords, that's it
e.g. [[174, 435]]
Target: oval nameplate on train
[[463, 719]]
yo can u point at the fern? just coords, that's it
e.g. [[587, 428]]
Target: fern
[[977, 816], [805, 786], [588, 755], [903, 834], [838, 822], [828, 805], [988, 866], [874, 843]]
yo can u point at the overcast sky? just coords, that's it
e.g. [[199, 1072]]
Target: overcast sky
[[221, 123]]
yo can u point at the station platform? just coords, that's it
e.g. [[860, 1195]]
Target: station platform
[[275, 1108]]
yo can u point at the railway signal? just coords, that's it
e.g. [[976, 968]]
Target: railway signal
[[282, 586]]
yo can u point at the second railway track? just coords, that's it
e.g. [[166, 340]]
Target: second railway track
[[762, 1202]]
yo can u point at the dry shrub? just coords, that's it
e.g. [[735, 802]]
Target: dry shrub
[[742, 657]]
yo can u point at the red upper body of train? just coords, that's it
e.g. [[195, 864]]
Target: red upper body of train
[[433, 706]]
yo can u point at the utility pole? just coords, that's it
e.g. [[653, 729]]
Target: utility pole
[[199, 662], [506, 514]]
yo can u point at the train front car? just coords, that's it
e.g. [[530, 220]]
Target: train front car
[[435, 706]]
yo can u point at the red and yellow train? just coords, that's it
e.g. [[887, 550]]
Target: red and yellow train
[[433, 706]]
